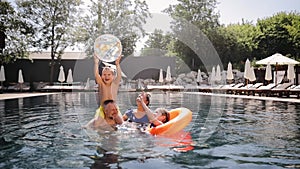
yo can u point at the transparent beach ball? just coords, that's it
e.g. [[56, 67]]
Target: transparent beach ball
[[107, 47]]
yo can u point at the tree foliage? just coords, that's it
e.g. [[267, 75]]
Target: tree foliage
[[199, 13], [279, 34], [52, 21], [17, 31], [237, 42], [123, 19], [157, 44]]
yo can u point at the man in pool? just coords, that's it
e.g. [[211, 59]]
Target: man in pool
[[111, 116]]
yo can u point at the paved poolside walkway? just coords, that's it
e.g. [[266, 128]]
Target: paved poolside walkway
[[293, 100], [5, 96]]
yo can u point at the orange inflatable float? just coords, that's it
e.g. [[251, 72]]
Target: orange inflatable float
[[179, 119]]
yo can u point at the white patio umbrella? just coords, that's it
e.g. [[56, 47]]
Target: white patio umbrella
[[199, 77], [291, 72], [277, 58], [218, 74], [161, 76], [252, 74], [268, 75], [2, 74], [247, 72], [70, 76], [229, 75], [168, 76], [61, 76], [20, 78]]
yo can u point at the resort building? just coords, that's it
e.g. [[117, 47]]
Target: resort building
[[36, 69]]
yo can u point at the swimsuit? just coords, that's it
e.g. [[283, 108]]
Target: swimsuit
[[131, 117]]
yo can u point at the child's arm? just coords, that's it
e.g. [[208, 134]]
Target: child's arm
[[96, 70], [119, 71], [149, 113]]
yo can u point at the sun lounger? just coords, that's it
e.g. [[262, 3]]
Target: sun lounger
[[294, 91], [18, 87], [248, 89], [216, 89], [264, 90], [243, 89], [281, 90], [256, 85], [231, 90], [204, 88]]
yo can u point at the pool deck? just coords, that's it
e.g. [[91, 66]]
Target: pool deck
[[292, 100], [5, 96]]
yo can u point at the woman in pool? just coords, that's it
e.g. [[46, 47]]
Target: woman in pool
[[138, 115], [160, 116]]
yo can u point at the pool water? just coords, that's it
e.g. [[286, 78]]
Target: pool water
[[45, 132]]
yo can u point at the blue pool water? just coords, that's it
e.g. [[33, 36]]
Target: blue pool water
[[45, 132]]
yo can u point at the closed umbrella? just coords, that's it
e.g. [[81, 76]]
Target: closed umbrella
[[61, 76], [252, 74], [161, 76], [168, 76], [199, 77], [70, 76], [268, 75], [247, 72], [218, 74], [20, 78], [291, 72], [229, 72], [2, 74], [87, 85]]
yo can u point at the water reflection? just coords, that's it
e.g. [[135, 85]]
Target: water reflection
[[249, 133], [264, 122]]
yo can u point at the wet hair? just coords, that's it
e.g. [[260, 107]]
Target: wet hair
[[106, 102], [163, 112], [148, 95]]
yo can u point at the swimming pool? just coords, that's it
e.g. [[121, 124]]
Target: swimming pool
[[45, 132]]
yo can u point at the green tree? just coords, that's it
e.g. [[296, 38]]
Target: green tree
[[17, 31], [235, 43], [53, 21], [123, 19], [196, 12], [279, 33], [157, 44]]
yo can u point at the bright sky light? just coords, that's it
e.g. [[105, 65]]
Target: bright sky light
[[233, 11]]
